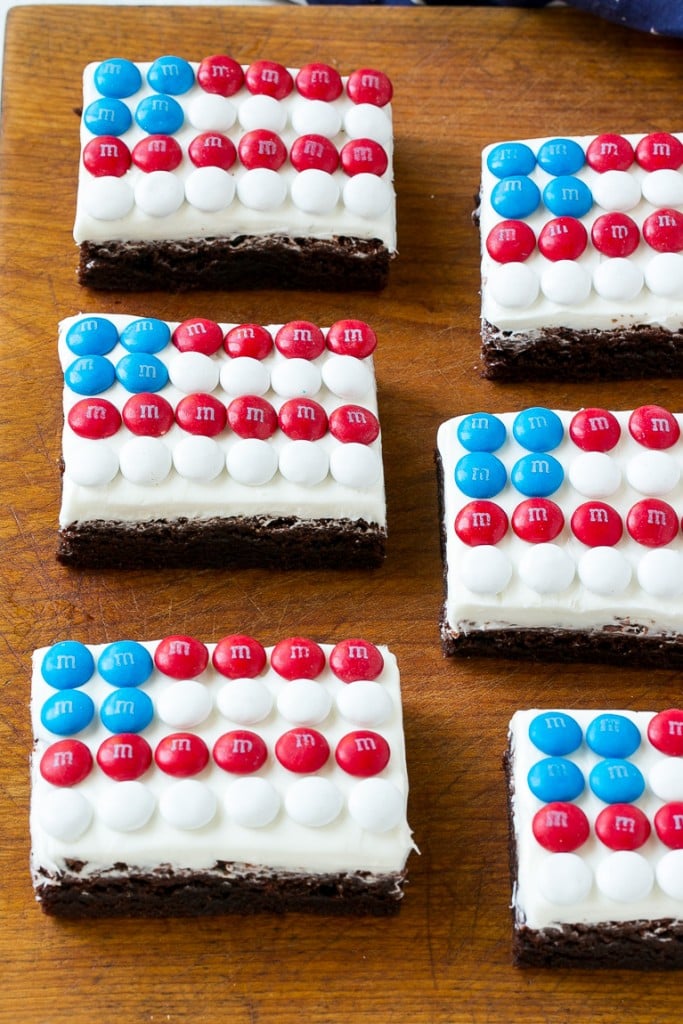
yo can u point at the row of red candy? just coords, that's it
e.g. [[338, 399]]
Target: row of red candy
[[562, 827], [651, 522]]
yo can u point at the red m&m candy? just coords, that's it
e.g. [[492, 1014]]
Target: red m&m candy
[[181, 657], [94, 418], [239, 657], [66, 763], [148, 415], [268, 78], [622, 827], [362, 753], [314, 151], [351, 338], [610, 153], [248, 340], [157, 153], [201, 414], [597, 524], [303, 419], [659, 151], [615, 235], [363, 156], [669, 825], [665, 732], [212, 149], [353, 423], [351, 660], [106, 156], [481, 522], [654, 427], [302, 750], [182, 754], [560, 827], [198, 335], [240, 752], [124, 757], [252, 416], [220, 74], [296, 657], [319, 82], [537, 520], [563, 238], [300, 339], [262, 148], [510, 241], [369, 86], [663, 230], [652, 522], [594, 430]]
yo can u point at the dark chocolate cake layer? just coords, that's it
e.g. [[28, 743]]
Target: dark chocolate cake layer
[[283, 543], [273, 261], [641, 351], [191, 894]]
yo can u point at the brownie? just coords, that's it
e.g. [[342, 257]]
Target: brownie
[[582, 271], [560, 535], [216, 175], [219, 445], [178, 778], [595, 854]]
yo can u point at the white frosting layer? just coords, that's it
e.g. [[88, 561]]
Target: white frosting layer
[[199, 204], [594, 884], [128, 479], [529, 296], [269, 819], [495, 587]]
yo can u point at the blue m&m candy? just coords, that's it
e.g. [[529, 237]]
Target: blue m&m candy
[[67, 665], [555, 778], [125, 663], [92, 336], [117, 78], [567, 197], [480, 475], [538, 429], [140, 372], [616, 781], [127, 710], [481, 432], [146, 335], [561, 156], [67, 712], [555, 733], [613, 736], [510, 158], [89, 375], [159, 115], [537, 475], [171, 75], [107, 117], [515, 198]]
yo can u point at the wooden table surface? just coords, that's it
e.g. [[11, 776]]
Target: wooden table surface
[[462, 78]]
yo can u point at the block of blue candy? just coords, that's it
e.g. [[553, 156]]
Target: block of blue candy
[[561, 534], [582, 257], [595, 803]]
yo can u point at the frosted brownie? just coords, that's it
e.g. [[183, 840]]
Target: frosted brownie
[[220, 175], [596, 830], [178, 778], [561, 534], [582, 257], [199, 443]]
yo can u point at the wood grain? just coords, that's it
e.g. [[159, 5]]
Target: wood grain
[[463, 78]]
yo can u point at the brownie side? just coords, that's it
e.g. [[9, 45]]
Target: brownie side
[[238, 542], [168, 893], [636, 945], [610, 645], [246, 261], [560, 353]]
